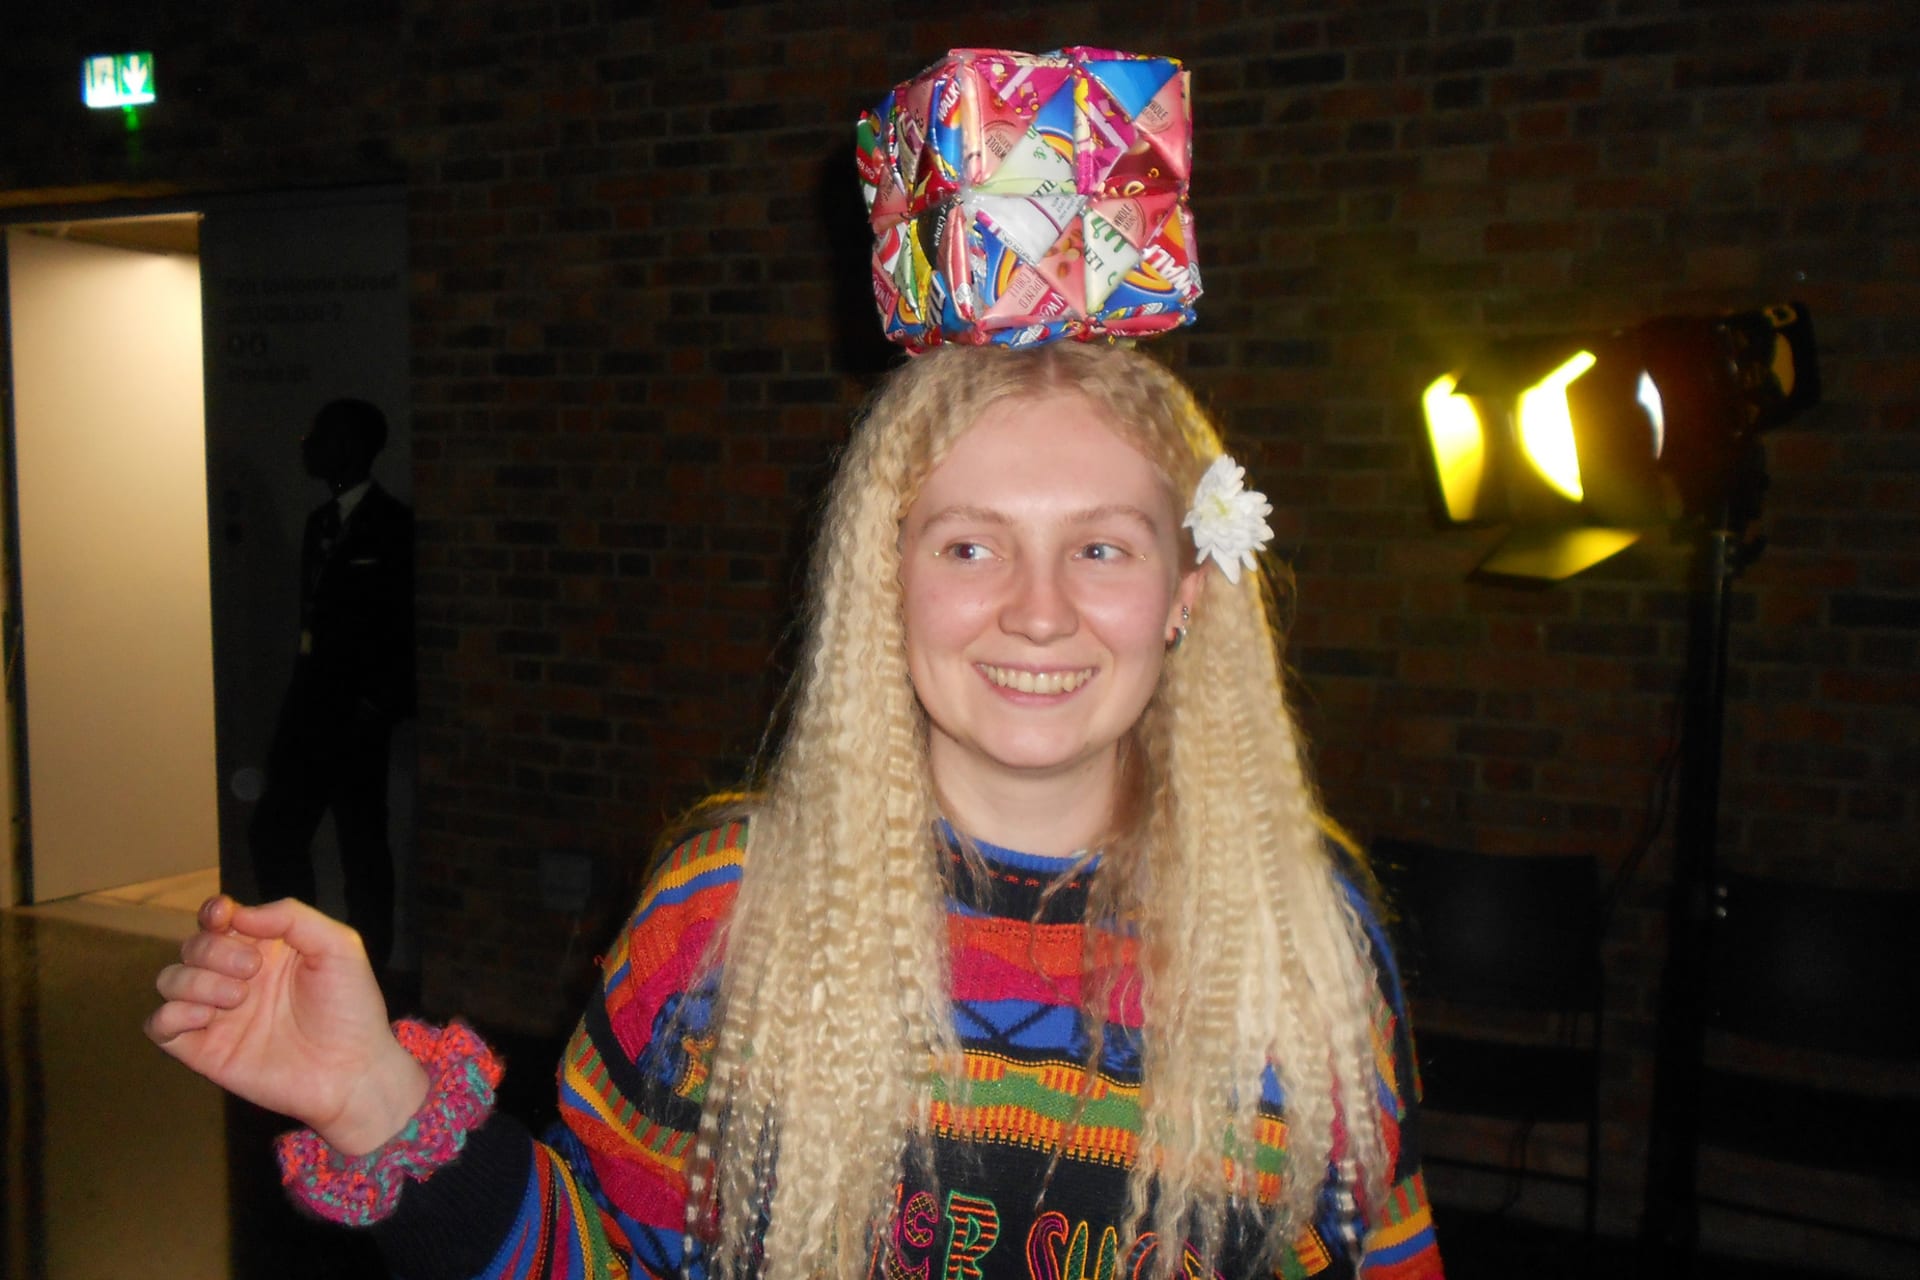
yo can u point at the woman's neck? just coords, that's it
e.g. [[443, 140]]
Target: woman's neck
[[1053, 816]]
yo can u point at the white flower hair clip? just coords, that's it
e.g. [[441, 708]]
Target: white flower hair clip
[[1229, 521]]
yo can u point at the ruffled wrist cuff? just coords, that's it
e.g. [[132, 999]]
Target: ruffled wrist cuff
[[462, 1072]]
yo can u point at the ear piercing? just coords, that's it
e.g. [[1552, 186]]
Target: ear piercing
[[1179, 636]]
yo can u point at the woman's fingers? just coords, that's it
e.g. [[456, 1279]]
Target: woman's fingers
[[196, 984], [175, 1019], [302, 927], [229, 954], [216, 912]]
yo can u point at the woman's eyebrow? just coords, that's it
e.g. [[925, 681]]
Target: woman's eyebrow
[[1124, 510], [966, 513]]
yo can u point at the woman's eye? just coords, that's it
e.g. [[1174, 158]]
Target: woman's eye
[[1104, 551], [964, 551]]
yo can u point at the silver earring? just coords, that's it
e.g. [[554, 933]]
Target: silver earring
[[1180, 632]]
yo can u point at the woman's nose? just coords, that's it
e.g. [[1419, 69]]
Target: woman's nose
[[1038, 605]]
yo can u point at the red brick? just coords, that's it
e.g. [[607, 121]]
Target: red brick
[[1548, 160], [1876, 688], [1527, 237], [1371, 102], [1506, 775], [1540, 124], [1429, 667], [1795, 25], [1846, 103]]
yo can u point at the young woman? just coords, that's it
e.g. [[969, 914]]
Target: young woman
[[1029, 956]]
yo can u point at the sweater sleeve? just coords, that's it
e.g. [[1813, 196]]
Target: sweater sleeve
[[1398, 1242], [605, 1193]]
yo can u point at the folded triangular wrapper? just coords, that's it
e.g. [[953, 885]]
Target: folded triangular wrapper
[[1019, 198]]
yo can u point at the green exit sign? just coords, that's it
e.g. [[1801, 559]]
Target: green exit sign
[[117, 79]]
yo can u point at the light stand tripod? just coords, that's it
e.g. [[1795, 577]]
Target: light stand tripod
[[1670, 1221]]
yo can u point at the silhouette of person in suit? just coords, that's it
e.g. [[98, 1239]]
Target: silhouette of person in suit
[[353, 680]]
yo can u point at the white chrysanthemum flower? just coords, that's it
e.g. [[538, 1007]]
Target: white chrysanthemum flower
[[1229, 521]]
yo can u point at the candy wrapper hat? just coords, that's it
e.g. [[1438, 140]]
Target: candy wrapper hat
[[1021, 198]]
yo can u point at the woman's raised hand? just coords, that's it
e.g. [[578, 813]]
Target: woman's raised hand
[[278, 1004]]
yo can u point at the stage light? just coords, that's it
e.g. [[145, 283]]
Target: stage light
[[1587, 442], [1546, 427], [1648, 397], [1580, 445], [1459, 448]]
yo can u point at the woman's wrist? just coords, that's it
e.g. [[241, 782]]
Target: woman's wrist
[[383, 1101], [359, 1188]]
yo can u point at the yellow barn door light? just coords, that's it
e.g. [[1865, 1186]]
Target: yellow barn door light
[[1458, 441], [1546, 427]]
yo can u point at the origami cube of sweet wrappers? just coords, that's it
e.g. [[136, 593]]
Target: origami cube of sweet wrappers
[[1021, 198]]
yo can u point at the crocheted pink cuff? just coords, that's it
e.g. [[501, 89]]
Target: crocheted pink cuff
[[356, 1191]]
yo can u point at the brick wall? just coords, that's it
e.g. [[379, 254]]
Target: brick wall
[[640, 328]]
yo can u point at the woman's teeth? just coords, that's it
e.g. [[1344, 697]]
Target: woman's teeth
[[1036, 681]]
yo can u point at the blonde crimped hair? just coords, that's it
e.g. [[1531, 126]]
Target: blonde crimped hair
[[835, 1020]]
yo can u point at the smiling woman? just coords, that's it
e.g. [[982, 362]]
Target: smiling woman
[[1028, 945]]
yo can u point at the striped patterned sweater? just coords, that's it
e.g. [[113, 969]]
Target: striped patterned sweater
[[604, 1194]]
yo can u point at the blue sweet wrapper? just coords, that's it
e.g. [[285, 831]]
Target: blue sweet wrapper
[[1021, 198]]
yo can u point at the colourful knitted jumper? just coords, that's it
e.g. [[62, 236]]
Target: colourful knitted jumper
[[605, 1195]]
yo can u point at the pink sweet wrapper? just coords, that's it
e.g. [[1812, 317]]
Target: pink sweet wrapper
[[1020, 198]]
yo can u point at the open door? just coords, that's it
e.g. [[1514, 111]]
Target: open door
[[159, 402], [110, 482]]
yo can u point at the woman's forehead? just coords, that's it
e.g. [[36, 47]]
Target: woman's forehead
[[1060, 450]]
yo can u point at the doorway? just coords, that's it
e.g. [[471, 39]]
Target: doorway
[[182, 352], [109, 466], [283, 302]]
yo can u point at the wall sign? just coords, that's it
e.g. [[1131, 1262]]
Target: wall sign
[[117, 79]]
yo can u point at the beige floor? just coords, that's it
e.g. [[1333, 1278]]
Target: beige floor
[[116, 1157], [117, 1161], [158, 908]]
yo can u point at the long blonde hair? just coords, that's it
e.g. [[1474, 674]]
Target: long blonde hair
[[835, 1018]]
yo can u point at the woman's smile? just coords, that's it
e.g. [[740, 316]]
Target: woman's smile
[[1052, 684]]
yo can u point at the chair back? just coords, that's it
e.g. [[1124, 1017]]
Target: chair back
[[1507, 931], [1492, 936], [1817, 966]]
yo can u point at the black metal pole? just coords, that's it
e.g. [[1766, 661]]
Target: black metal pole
[[1670, 1217]]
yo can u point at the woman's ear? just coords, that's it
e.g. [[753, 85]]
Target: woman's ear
[[1186, 598]]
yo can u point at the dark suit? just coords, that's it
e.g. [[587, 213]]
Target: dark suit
[[352, 681]]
